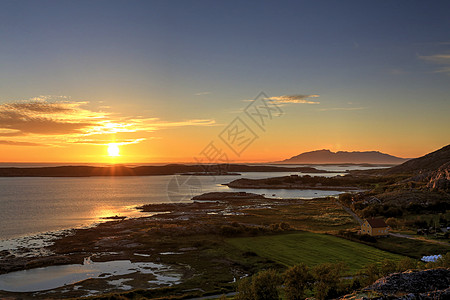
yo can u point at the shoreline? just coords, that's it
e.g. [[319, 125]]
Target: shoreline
[[290, 187], [145, 240], [188, 242], [120, 170]]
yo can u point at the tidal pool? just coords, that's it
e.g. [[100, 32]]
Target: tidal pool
[[47, 278]]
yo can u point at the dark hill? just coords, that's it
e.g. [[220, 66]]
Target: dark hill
[[342, 157], [430, 162]]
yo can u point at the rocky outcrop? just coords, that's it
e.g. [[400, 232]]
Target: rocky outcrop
[[412, 282], [410, 285], [227, 196], [440, 179]]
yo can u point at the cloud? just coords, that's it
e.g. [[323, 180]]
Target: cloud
[[342, 108], [63, 121], [437, 58], [398, 72], [9, 132], [443, 70], [14, 143], [196, 122], [302, 99], [107, 142], [202, 93], [49, 118], [440, 59], [49, 97]]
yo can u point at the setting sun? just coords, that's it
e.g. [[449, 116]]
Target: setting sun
[[113, 150]]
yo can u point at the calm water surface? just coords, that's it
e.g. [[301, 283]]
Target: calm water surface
[[34, 204]]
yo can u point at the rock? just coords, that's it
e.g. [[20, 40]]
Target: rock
[[440, 179], [410, 285], [226, 196], [413, 282]]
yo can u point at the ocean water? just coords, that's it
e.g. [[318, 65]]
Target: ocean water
[[34, 205]]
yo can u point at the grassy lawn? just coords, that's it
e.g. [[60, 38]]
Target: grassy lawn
[[409, 247], [312, 249]]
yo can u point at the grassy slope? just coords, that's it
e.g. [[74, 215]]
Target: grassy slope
[[312, 249], [410, 247]]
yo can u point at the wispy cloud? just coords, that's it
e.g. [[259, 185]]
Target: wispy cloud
[[106, 142], [397, 72], [301, 99], [342, 108], [443, 70], [14, 143], [202, 93], [30, 122], [439, 59]]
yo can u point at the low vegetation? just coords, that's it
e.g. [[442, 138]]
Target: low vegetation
[[414, 248], [312, 249], [323, 281], [337, 182]]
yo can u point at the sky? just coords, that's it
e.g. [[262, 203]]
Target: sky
[[214, 81]]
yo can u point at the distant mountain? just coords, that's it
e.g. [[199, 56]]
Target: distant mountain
[[431, 162], [343, 157]]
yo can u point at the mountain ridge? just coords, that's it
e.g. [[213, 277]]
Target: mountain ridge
[[429, 162], [325, 156]]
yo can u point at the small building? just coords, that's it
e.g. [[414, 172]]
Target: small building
[[374, 227]]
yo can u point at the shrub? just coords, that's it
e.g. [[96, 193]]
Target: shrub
[[368, 238], [296, 279], [261, 286], [387, 267], [327, 278], [346, 199], [371, 273], [244, 289], [264, 285], [406, 264], [230, 231], [444, 261], [392, 222]]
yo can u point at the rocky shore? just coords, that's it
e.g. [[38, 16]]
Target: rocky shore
[[428, 284], [185, 238], [294, 182]]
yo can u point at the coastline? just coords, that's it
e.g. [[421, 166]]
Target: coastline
[[154, 239], [171, 169]]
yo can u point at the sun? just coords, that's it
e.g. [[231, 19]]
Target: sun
[[113, 149]]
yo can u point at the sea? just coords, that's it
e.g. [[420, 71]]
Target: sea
[[31, 206]]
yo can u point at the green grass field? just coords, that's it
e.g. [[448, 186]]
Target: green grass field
[[312, 249]]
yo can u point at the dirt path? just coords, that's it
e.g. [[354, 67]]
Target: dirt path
[[406, 236], [347, 209]]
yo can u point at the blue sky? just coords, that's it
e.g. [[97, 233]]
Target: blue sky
[[183, 60]]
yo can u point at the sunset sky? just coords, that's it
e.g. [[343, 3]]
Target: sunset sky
[[167, 81]]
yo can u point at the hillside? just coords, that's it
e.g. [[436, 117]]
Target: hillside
[[430, 162], [413, 189], [328, 157]]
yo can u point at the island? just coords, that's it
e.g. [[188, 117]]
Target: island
[[170, 169]]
